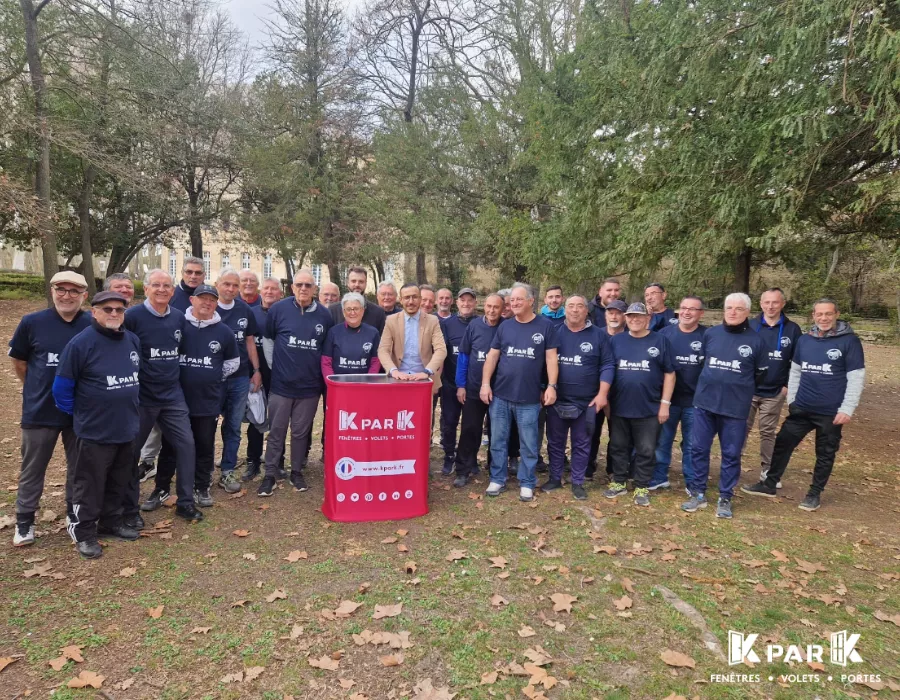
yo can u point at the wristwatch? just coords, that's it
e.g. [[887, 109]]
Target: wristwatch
[[552, 386], [667, 403], [429, 372]]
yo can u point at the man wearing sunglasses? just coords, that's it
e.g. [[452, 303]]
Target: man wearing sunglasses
[[292, 342], [97, 383], [192, 275], [34, 350]]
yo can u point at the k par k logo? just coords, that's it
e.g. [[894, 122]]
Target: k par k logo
[[740, 649], [404, 421]]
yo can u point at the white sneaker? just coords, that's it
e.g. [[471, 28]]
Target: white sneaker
[[764, 474], [663, 485], [20, 538], [526, 494], [495, 489]]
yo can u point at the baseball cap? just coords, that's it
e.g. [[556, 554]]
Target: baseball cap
[[206, 289], [618, 305], [467, 290], [638, 309], [70, 277], [101, 297]]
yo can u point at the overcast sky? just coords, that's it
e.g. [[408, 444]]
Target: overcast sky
[[248, 16]]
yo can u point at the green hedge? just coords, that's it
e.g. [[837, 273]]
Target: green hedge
[[18, 285]]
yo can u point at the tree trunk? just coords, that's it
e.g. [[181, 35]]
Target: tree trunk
[[742, 267], [84, 215], [421, 272], [520, 272], [42, 175], [194, 230]]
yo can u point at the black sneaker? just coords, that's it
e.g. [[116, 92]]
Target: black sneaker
[[810, 503], [154, 500], [203, 498], [251, 472], [578, 492], [759, 489], [298, 482], [447, 469], [282, 474], [460, 481], [135, 522], [551, 485], [541, 467], [148, 471], [122, 532], [188, 513], [90, 549], [267, 487]]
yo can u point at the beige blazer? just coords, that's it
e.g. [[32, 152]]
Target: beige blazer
[[432, 347]]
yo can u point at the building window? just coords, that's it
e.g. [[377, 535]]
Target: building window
[[226, 260], [173, 263], [245, 261], [317, 274], [206, 265], [267, 264]]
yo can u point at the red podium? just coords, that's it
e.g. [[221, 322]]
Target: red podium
[[377, 445]]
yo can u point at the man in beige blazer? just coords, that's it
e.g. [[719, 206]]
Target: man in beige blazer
[[412, 345]]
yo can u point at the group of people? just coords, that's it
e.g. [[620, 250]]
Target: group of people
[[137, 391]]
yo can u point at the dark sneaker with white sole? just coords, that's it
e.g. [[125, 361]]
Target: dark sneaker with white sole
[[759, 489], [810, 503], [298, 482], [267, 487], [24, 534], [551, 485], [578, 492], [154, 500], [723, 508], [203, 498], [251, 472]]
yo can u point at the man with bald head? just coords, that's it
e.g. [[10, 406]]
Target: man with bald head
[[160, 329], [329, 293], [293, 338]]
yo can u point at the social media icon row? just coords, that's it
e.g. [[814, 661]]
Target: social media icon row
[[369, 497]]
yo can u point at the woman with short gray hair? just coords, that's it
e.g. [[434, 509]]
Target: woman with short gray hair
[[351, 347]]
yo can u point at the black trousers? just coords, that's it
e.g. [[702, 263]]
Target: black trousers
[[100, 477], [797, 426], [474, 412], [638, 435], [595, 446], [451, 409]]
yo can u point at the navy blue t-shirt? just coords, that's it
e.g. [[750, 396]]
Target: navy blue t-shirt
[[106, 371], [203, 352], [521, 368], [585, 359], [453, 328], [727, 383], [641, 366], [476, 343], [160, 338], [299, 337], [688, 353], [39, 340], [824, 363], [663, 319], [259, 317], [351, 349], [181, 300], [242, 322], [780, 341]]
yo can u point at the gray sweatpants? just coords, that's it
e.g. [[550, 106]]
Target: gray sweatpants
[[151, 448], [299, 415], [38, 444]]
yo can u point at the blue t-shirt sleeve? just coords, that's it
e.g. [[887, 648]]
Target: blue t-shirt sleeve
[[231, 346], [252, 327], [668, 356], [20, 345], [552, 342], [607, 362], [64, 394], [497, 342], [328, 345], [855, 357], [69, 362], [269, 331], [462, 368]]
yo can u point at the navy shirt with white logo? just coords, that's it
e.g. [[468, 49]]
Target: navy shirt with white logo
[[641, 366], [662, 319], [727, 383], [160, 338], [585, 360], [824, 364], [203, 352], [39, 340], [453, 328], [106, 372], [521, 368], [687, 352], [242, 321], [351, 349], [780, 341], [299, 336], [181, 300], [476, 343], [259, 316]]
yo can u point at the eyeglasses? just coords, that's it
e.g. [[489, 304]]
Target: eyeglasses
[[67, 292], [160, 285], [689, 308], [352, 310], [304, 285], [112, 310]]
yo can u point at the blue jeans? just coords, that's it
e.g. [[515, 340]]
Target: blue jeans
[[526, 416], [233, 409], [684, 414], [731, 432]]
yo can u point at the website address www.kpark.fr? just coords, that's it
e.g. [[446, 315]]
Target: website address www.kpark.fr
[[794, 678]]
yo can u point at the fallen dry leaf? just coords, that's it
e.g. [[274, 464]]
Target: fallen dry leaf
[[424, 690], [387, 611], [489, 678], [253, 673], [391, 660], [346, 683], [497, 562], [628, 585], [503, 575], [623, 603], [277, 594], [677, 659], [605, 549], [128, 572], [389, 540], [241, 533], [125, 685], [87, 679], [326, 663], [8, 660], [498, 601], [884, 617], [809, 567], [296, 631], [780, 556], [562, 602], [456, 554], [200, 630], [58, 663], [156, 613], [411, 567], [346, 608], [72, 652], [41, 570], [402, 533], [526, 631], [232, 677], [238, 604], [296, 555]]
